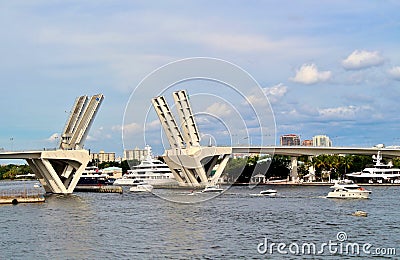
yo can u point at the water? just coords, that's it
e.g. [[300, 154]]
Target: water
[[230, 226]]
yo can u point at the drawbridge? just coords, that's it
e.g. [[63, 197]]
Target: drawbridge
[[59, 170], [193, 165]]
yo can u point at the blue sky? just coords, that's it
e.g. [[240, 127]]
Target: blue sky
[[328, 67]]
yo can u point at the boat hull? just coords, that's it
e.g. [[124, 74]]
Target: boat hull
[[155, 183], [141, 188], [348, 194]]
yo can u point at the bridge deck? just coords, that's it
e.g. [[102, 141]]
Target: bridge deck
[[21, 155], [310, 150]]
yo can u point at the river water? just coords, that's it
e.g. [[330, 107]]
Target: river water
[[234, 225]]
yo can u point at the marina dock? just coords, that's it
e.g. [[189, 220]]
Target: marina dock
[[25, 196]]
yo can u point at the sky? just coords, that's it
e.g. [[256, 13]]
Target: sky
[[326, 67]]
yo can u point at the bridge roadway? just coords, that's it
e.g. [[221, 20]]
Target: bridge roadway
[[296, 151]]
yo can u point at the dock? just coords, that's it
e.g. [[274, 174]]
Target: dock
[[99, 188], [25, 196]]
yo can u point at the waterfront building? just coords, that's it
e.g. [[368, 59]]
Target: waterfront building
[[307, 143], [135, 154], [114, 172], [322, 141], [102, 157], [290, 140]]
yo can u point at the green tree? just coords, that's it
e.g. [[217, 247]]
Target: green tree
[[11, 173], [279, 168]]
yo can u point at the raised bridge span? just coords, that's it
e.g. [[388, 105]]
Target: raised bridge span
[[59, 171], [193, 164]]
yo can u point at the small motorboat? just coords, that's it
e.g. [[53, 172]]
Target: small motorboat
[[360, 213], [268, 192], [212, 188], [142, 187], [347, 189]]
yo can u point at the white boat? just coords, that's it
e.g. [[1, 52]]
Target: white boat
[[152, 171], [268, 192], [142, 187], [380, 173], [126, 181], [212, 188], [347, 189]]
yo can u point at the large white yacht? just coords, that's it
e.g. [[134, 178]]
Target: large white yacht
[[380, 173], [151, 171], [347, 189]]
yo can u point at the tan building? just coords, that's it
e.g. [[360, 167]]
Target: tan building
[[102, 157], [135, 154], [114, 172], [307, 143]]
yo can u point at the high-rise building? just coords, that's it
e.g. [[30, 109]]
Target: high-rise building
[[135, 154], [322, 141], [102, 157], [290, 140]]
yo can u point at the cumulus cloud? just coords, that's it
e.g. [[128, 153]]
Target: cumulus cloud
[[395, 73], [219, 109], [274, 93], [309, 74], [362, 59]]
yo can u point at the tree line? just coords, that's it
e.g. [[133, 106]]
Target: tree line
[[326, 166]]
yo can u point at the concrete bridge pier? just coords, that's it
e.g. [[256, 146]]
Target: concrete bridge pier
[[293, 168], [193, 167], [59, 171]]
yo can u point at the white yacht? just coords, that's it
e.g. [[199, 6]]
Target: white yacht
[[142, 187], [212, 188], [151, 171], [268, 192], [380, 173], [347, 189]]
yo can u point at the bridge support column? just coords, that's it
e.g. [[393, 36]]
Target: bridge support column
[[192, 167], [59, 171], [293, 169]]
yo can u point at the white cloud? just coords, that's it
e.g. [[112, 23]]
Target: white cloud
[[395, 72], [343, 112], [309, 74], [274, 93], [53, 137], [362, 59], [219, 109]]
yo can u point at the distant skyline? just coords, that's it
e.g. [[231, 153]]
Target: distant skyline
[[330, 67]]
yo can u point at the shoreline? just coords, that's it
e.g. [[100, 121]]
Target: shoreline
[[310, 184]]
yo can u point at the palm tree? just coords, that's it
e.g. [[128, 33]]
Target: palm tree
[[347, 162]]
